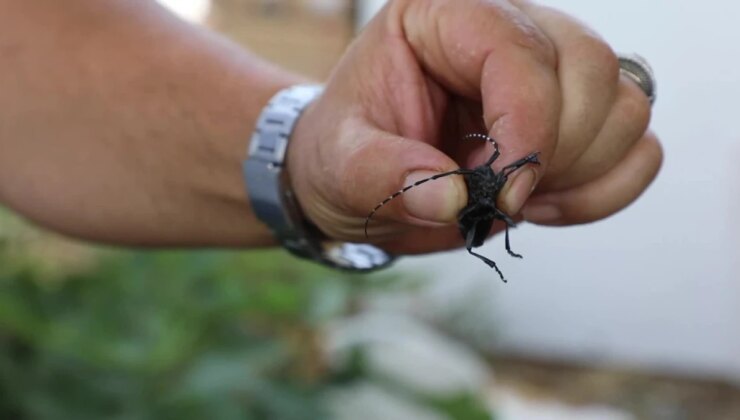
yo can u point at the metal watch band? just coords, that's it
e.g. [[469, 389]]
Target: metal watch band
[[268, 186]]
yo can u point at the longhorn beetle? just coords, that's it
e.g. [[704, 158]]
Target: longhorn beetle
[[484, 185]]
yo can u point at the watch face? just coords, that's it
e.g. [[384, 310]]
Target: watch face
[[360, 257]]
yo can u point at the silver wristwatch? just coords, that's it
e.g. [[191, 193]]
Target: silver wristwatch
[[272, 199]]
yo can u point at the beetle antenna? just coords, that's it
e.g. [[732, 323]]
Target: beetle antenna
[[408, 187], [531, 158], [496, 152]]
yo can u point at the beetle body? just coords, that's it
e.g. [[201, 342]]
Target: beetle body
[[484, 185]]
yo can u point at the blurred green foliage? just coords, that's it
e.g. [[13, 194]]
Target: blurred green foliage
[[176, 335], [166, 335]]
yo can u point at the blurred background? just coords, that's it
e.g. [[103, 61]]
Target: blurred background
[[635, 317]]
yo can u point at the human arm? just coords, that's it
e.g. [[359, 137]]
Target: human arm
[[120, 123], [137, 135]]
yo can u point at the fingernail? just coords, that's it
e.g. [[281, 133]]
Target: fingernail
[[521, 188], [542, 213], [436, 200]]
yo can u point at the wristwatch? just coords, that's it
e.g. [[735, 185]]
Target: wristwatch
[[273, 201]]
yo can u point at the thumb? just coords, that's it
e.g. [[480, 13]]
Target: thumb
[[403, 180]]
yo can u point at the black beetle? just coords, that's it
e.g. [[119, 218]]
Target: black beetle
[[484, 185]]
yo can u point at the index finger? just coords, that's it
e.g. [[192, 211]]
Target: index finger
[[491, 51]]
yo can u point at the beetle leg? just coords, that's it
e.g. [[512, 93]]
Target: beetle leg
[[509, 224], [505, 217], [489, 262], [531, 158], [508, 245]]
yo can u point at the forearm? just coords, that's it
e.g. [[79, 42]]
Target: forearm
[[121, 124]]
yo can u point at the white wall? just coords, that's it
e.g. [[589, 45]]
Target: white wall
[[367, 8], [190, 10], [656, 286]]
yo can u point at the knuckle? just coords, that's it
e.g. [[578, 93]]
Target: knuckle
[[360, 163], [602, 57], [595, 58], [635, 110], [655, 151], [529, 37], [347, 173]]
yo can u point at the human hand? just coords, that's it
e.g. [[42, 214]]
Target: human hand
[[425, 73]]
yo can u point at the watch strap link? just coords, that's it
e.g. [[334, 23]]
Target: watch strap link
[[272, 203]]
